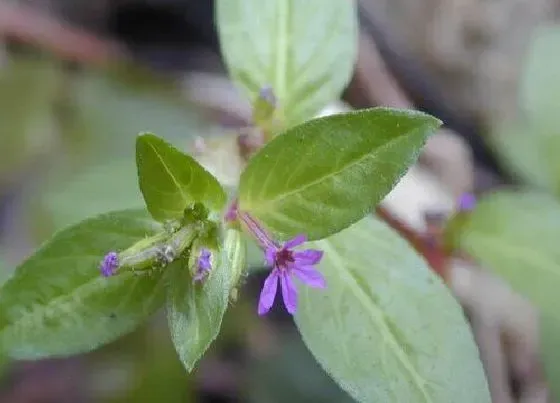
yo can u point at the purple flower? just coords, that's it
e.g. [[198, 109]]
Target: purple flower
[[109, 264], [467, 202], [203, 265], [287, 263]]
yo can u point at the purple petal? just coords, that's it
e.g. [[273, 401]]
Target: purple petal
[[270, 255], [298, 240], [308, 257], [310, 276], [467, 202], [289, 293], [268, 292]]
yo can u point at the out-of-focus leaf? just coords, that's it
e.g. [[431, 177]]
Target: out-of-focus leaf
[[116, 108], [57, 303], [147, 362], [292, 375], [530, 154], [531, 144], [386, 328], [100, 188], [515, 235], [27, 93], [304, 50], [540, 84]]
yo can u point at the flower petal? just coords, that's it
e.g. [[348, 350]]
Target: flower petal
[[310, 276], [268, 292], [298, 240], [308, 257], [289, 293], [270, 255]]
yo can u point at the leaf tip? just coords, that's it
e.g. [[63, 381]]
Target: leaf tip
[[143, 136], [435, 122]]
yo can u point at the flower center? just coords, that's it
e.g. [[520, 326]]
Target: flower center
[[283, 258]]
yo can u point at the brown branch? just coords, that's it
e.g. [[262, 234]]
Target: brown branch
[[429, 247], [23, 23]]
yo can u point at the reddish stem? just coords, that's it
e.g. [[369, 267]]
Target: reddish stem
[[430, 248]]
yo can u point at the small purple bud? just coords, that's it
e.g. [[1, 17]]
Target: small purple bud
[[267, 94], [203, 264], [109, 264], [467, 202]]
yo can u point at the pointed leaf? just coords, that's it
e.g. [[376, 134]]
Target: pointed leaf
[[171, 180], [304, 50], [195, 310], [322, 176], [386, 328], [58, 304]]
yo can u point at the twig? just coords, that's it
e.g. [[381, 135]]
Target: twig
[[430, 248]]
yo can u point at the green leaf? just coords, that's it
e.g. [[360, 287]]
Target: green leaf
[[304, 50], [386, 328], [57, 303], [171, 180], [195, 310], [515, 234], [322, 176], [540, 83]]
